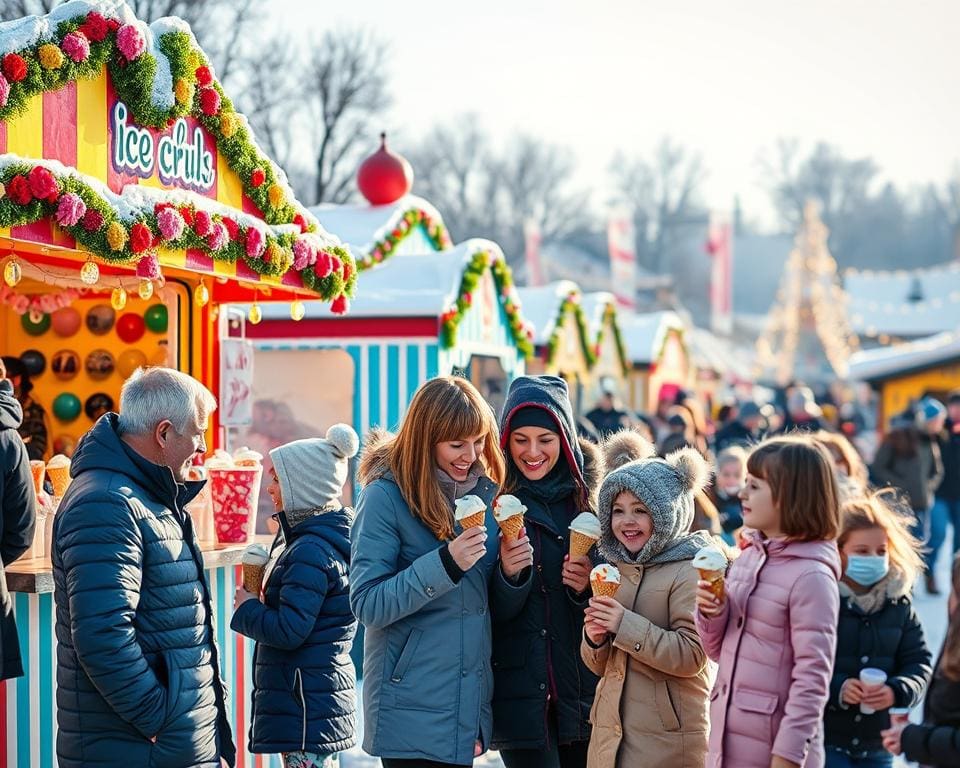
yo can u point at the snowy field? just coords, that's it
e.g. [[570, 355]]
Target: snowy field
[[932, 610]]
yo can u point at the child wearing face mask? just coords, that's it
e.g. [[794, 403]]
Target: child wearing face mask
[[772, 628], [651, 707], [878, 628], [724, 492]]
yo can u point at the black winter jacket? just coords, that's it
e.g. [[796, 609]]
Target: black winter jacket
[[888, 638], [303, 679], [536, 658], [136, 657], [18, 515], [950, 453], [936, 743]]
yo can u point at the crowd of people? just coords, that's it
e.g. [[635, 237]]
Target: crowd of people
[[803, 650]]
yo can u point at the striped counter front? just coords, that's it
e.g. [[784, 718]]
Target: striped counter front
[[28, 719]]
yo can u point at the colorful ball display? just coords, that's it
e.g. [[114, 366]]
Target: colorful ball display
[[97, 405], [35, 326], [66, 406], [156, 318], [100, 319], [129, 360], [100, 364], [35, 361], [130, 328], [66, 322], [65, 364]]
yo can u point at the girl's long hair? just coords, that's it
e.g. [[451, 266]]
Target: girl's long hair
[[950, 663], [446, 408], [878, 510]]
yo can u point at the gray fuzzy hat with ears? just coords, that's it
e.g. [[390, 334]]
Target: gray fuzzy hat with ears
[[312, 472], [666, 488]]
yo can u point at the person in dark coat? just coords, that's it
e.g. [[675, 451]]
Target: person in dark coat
[[304, 626], [745, 430], [542, 689], [138, 670], [936, 743], [878, 627], [18, 515], [33, 428], [606, 417]]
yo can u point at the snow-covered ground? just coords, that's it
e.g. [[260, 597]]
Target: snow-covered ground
[[932, 610]]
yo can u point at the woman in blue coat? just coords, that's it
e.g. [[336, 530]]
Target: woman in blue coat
[[303, 679], [419, 585]]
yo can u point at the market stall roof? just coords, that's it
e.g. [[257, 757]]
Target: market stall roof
[[411, 225], [597, 307], [117, 139], [915, 302], [546, 307], [889, 362], [714, 353], [644, 335]]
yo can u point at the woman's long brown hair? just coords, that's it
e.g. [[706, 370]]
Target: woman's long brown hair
[[950, 663], [446, 408]]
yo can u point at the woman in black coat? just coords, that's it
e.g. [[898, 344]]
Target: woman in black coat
[[542, 691], [936, 743]]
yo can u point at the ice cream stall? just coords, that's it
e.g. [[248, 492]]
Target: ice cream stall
[[564, 345], [134, 204], [659, 357], [612, 363]]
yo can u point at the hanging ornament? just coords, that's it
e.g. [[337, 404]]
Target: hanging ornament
[[89, 272], [202, 295], [145, 289], [384, 177], [12, 273], [297, 310], [256, 314], [118, 298]]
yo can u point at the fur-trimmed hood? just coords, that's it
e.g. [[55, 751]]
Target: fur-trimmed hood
[[594, 469], [893, 586], [625, 446], [375, 455]]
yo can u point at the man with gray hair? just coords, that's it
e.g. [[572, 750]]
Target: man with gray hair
[[138, 678]]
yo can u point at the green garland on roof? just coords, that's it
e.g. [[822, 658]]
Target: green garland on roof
[[49, 65], [610, 317], [571, 304], [503, 280], [411, 219]]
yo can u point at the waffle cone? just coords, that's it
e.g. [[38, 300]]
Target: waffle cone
[[511, 527], [60, 477], [580, 544], [602, 588], [253, 578], [716, 581], [472, 521]]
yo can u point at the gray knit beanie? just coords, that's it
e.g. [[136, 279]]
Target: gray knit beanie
[[312, 471], [666, 487]]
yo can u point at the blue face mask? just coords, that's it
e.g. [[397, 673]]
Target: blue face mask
[[867, 570]]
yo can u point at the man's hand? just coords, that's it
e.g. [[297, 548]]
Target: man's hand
[[241, 596], [515, 555], [606, 612], [576, 572]]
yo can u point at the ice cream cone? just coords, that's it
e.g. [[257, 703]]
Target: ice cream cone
[[716, 581], [253, 577], [602, 588], [60, 477], [580, 544], [39, 469], [474, 520], [511, 527]]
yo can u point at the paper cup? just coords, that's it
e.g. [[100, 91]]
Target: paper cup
[[253, 577], [235, 494], [899, 716], [871, 678]]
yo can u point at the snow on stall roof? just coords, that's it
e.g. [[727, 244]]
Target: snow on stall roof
[[362, 226], [423, 285], [886, 362], [594, 306], [643, 335], [711, 352], [884, 301], [28, 31], [541, 306]]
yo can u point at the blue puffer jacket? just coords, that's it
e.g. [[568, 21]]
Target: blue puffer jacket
[[136, 657], [427, 678], [304, 681]]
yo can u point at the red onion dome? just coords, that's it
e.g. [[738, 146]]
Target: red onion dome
[[385, 176]]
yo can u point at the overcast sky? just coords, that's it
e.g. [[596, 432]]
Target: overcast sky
[[878, 78]]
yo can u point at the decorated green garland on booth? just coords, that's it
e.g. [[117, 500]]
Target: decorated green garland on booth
[[571, 304], [412, 218], [503, 280], [610, 318]]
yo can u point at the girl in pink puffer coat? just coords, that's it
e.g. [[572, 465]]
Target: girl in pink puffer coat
[[774, 632]]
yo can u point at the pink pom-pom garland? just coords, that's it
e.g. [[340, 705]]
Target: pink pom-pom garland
[[76, 46], [148, 267], [170, 223], [130, 41], [70, 210], [256, 243]]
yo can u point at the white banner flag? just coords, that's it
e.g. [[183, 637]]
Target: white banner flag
[[621, 242]]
